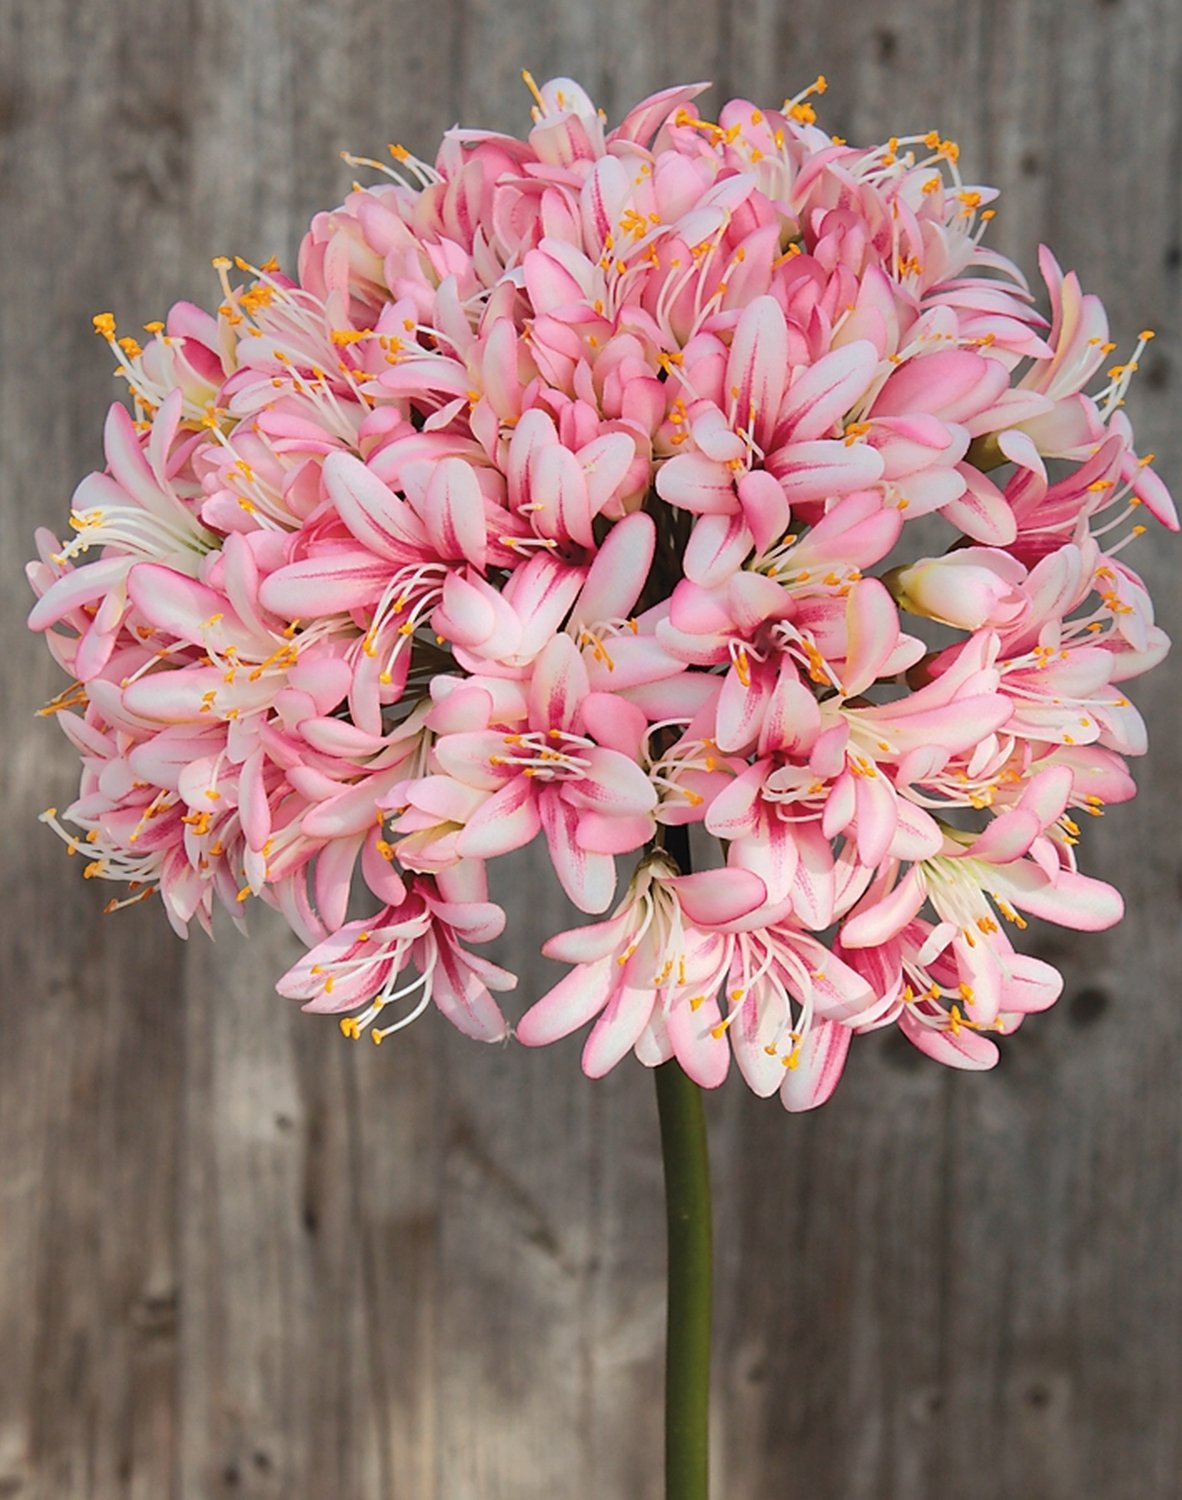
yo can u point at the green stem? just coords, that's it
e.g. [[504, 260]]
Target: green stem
[[687, 1208], [687, 1346]]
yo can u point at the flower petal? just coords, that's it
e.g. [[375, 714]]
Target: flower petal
[[508, 820], [820, 1058], [569, 1004]]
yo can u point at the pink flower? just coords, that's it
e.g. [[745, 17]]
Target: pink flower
[[541, 772], [361, 964], [650, 973], [566, 487]]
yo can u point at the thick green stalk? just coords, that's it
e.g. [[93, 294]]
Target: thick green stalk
[[687, 1346], [687, 1208]]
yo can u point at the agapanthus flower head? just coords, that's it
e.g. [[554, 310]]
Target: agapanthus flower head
[[564, 495]]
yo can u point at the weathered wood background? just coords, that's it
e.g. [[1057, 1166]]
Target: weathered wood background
[[239, 1258]]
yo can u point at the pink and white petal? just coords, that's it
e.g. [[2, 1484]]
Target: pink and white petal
[[981, 511], [333, 876], [333, 581], [791, 717], [765, 507], [981, 977], [770, 851], [558, 686], [178, 697], [572, 1002], [753, 1030], [606, 833], [716, 898], [617, 576], [1029, 984], [872, 632], [617, 1030], [339, 738], [822, 395], [510, 819], [254, 811], [713, 435], [964, 1049], [605, 462], [1008, 837], [884, 919], [589, 879], [717, 548], [752, 598], [584, 945], [814, 883], [735, 809], [653, 1046], [124, 450], [441, 797], [876, 817], [740, 710], [642, 122], [950, 383], [917, 834], [379, 873], [820, 1060], [757, 366], [822, 469], [704, 1054], [1150, 489], [97, 644], [351, 811], [1074, 900], [324, 679], [466, 884], [78, 587], [615, 723], [468, 614], [1047, 794], [559, 493], [612, 783], [840, 993], [454, 513], [179, 604], [474, 921], [469, 757], [462, 996], [637, 661], [840, 806], [693, 482], [380, 520]]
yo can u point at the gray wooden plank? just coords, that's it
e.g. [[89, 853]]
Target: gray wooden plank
[[239, 1258], [89, 1030]]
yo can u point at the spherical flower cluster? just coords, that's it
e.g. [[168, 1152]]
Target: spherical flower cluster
[[567, 493]]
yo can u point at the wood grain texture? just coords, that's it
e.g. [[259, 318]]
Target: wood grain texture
[[242, 1261]]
